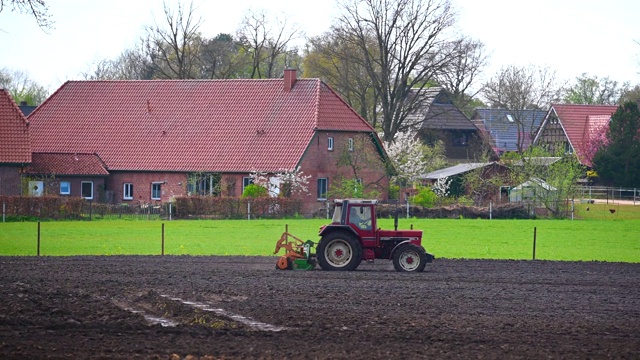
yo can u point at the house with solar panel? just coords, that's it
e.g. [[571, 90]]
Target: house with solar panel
[[569, 127], [152, 140], [508, 130]]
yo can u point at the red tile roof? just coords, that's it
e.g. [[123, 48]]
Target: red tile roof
[[190, 125], [579, 120], [67, 164], [15, 147]]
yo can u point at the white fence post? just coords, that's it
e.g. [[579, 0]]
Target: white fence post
[[572, 208], [407, 208]]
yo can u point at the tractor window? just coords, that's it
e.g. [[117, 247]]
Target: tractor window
[[337, 215], [360, 216]]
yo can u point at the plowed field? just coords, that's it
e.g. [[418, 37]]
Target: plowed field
[[143, 307]]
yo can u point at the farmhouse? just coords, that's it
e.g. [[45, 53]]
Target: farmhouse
[[440, 119], [570, 127], [158, 139], [15, 145]]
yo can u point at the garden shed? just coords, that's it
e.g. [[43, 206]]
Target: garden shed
[[527, 190]]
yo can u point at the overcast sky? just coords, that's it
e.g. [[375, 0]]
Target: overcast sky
[[570, 36]]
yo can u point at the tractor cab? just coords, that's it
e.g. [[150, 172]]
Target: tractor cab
[[358, 214]]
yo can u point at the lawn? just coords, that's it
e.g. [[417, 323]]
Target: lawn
[[581, 240]]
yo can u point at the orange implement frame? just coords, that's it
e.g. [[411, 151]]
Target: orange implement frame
[[295, 250]]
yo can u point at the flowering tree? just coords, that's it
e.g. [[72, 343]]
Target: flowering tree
[[595, 140], [412, 159], [406, 154], [441, 187], [283, 182]]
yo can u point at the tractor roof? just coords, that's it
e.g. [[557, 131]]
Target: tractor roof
[[356, 201]]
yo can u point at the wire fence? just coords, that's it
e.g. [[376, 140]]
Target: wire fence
[[609, 194], [57, 208], [18, 208]]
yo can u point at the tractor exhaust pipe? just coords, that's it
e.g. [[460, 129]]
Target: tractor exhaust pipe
[[395, 221]]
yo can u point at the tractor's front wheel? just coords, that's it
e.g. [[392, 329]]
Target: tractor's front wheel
[[410, 258], [339, 251]]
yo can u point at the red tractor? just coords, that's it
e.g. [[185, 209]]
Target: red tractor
[[353, 236]]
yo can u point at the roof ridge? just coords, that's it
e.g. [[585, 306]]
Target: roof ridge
[[183, 80], [584, 105], [65, 153]]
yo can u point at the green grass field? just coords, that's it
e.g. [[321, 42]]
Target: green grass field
[[600, 239]]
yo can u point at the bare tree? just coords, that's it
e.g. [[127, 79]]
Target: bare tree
[[132, 64], [468, 60], [22, 87], [592, 90], [266, 42], [518, 89], [174, 47], [410, 48], [220, 58], [331, 58], [37, 8]]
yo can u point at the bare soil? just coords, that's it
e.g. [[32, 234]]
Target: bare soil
[[178, 307]]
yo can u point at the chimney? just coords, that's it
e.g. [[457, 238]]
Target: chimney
[[289, 79]]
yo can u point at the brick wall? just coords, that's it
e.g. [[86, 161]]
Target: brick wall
[[9, 180], [171, 184], [53, 187], [319, 162]]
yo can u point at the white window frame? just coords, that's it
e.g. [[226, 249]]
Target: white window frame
[[350, 144], [68, 187], [321, 196], [330, 143], [127, 191], [153, 185], [246, 181], [82, 190]]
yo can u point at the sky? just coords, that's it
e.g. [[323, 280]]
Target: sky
[[571, 37]]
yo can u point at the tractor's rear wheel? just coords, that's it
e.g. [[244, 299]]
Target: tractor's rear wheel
[[410, 258], [339, 251]]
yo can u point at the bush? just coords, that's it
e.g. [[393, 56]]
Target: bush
[[255, 191], [189, 207], [425, 198]]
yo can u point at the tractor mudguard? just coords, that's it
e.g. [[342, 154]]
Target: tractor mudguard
[[332, 228], [430, 257]]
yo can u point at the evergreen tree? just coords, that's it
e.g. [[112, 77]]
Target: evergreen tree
[[618, 163]]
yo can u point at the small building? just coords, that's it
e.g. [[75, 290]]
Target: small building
[[531, 190], [456, 173], [80, 175]]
